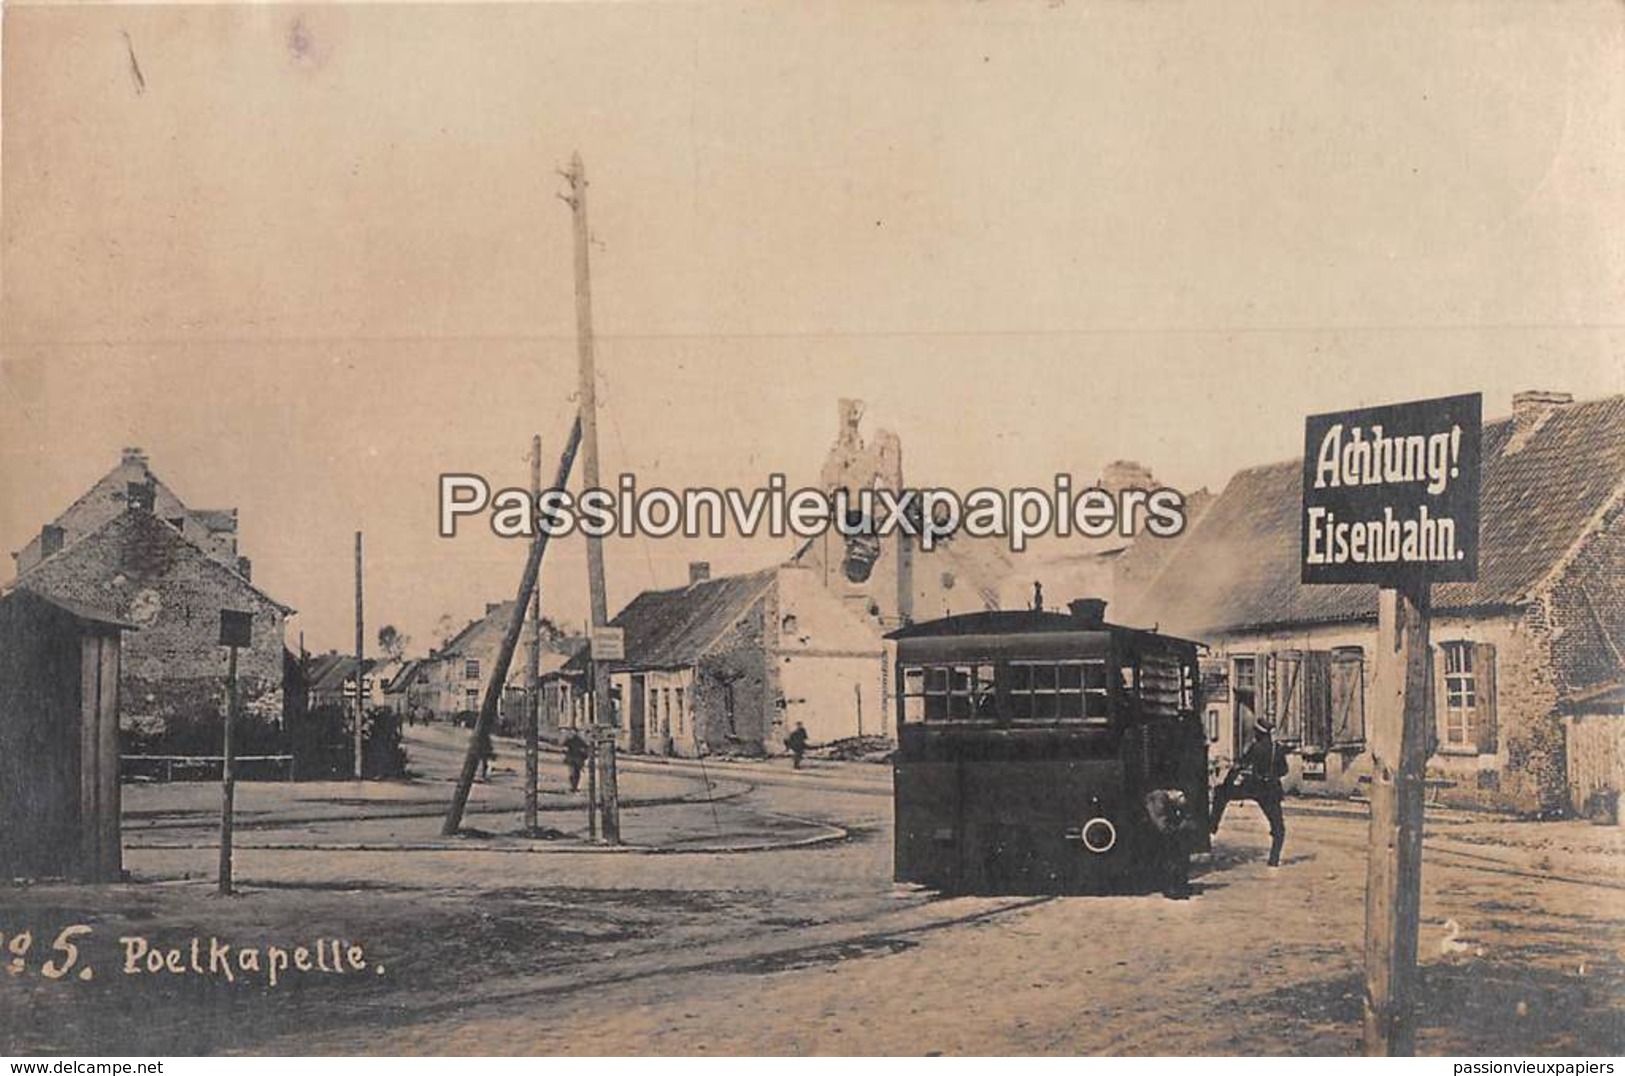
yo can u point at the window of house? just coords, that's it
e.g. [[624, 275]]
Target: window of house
[[1459, 715], [471, 669], [471, 698], [679, 703]]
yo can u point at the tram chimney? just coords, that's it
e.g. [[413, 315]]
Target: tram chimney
[[1092, 611]]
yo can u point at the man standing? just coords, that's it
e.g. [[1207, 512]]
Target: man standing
[[1257, 776], [797, 743], [575, 757]]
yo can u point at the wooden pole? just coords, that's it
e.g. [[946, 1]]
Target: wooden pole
[[1402, 715], [228, 776], [603, 706], [533, 669], [360, 643], [510, 643]]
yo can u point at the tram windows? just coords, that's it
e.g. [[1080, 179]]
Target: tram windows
[[984, 694], [949, 693], [913, 693], [1096, 702], [1058, 691]]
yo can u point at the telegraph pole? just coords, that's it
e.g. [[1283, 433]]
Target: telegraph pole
[[533, 671], [602, 706], [360, 642]]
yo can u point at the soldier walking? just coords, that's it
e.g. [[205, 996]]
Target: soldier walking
[[576, 751], [797, 743], [1257, 776]]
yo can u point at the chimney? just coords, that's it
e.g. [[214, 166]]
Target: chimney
[[698, 571], [1533, 406], [245, 568], [1092, 611], [491, 607], [140, 496], [134, 455], [51, 539]]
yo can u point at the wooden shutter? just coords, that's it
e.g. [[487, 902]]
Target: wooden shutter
[[1289, 685], [1348, 697], [1484, 709], [1440, 707], [1317, 698]]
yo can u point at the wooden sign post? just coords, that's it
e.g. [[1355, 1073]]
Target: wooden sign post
[[1390, 496], [236, 630]]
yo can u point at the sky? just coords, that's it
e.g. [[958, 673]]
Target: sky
[[310, 256]]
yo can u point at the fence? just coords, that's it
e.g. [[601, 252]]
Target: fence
[[202, 767]]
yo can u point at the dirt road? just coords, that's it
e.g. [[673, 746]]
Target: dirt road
[[488, 948]]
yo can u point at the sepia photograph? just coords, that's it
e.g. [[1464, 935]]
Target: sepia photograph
[[672, 529]]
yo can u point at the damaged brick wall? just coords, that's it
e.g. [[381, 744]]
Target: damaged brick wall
[[173, 666], [739, 664]]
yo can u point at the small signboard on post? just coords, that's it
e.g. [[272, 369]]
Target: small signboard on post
[[1390, 496], [609, 644]]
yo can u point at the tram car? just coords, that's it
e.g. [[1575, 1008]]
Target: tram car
[[1046, 752]]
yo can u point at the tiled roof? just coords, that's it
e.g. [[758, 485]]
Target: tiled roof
[[136, 528], [667, 629], [1239, 568]]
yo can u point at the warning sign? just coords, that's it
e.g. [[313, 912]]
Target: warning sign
[[1391, 493]]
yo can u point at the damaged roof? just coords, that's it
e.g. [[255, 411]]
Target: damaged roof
[[1239, 568], [669, 629]]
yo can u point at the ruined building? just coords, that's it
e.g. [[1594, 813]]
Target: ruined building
[[131, 547]]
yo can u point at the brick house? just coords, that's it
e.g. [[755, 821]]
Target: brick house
[[732, 664], [131, 548], [1523, 658]]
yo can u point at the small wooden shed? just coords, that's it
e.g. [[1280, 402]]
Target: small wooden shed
[[59, 742]]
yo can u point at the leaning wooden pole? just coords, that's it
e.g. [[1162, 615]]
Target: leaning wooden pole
[[510, 643], [1401, 704]]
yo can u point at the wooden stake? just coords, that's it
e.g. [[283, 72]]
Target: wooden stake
[[228, 776], [510, 642], [360, 644], [1402, 714]]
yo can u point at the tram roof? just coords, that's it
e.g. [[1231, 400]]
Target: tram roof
[[1017, 622]]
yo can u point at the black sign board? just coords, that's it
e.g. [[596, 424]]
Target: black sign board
[[1390, 494], [236, 629]]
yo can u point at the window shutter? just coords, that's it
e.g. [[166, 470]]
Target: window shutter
[[1484, 711], [1317, 698], [1436, 678], [1289, 676]]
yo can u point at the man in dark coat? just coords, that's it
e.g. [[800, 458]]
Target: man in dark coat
[[576, 751], [797, 743], [1257, 776]]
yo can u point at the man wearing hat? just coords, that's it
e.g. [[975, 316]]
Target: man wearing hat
[[1257, 776]]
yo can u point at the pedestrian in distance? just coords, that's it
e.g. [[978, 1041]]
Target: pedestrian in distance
[[1257, 776], [797, 743], [576, 751], [488, 754]]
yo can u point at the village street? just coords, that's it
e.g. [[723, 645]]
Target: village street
[[501, 944]]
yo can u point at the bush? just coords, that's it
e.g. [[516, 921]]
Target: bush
[[323, 744]]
